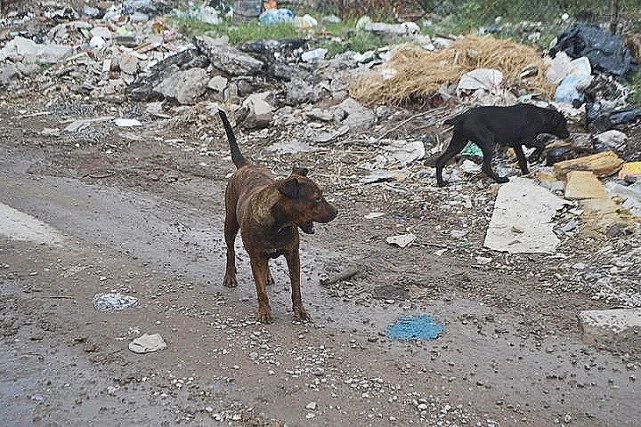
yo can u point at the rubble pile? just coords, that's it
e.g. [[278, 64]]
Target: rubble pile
[[130, 55]]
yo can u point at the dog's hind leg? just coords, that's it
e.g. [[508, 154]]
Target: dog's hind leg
[[457, 143]]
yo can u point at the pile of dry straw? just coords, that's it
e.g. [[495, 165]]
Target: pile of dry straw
[[417, 73]]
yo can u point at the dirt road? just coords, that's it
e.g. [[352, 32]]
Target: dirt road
[[140, 212]]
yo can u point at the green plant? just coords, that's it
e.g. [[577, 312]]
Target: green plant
[[238, 33], [634, 84]]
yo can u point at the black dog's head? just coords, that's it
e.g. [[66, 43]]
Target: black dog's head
[[558, 124]]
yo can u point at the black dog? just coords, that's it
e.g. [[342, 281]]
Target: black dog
[[512, 126]]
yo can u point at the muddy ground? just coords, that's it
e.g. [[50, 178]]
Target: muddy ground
[[140, 211]]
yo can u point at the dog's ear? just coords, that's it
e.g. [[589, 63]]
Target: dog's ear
[[299, 171], [289, 187]]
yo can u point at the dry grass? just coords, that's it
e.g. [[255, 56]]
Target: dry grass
[[419, 73]]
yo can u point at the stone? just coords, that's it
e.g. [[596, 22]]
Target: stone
[[142, 89], [8, 72], [33, 52], [184, 86], [583, 185], [217, 83], [602, 164], [228, 59], [358, 117], [612, 139], [632, 169], [147, 344], [617, 328], [257, 112], [300, 92], [128, 64]]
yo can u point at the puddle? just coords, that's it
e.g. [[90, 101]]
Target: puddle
[[416, 327]]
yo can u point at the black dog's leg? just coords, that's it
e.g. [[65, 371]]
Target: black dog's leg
[[457, 143], [484, 138], [518, 149], [539, 147]]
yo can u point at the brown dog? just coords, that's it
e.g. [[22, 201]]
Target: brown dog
[[268, 213]]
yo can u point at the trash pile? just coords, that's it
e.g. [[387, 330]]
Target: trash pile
[[129, 52]]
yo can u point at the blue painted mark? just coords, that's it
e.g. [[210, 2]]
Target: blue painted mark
[[411, 328]]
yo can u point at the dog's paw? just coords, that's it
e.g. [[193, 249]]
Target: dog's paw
[[502, 179], [265, 316], [301, 314], [230, 281]]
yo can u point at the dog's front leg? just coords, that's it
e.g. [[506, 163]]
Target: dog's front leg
[[518, 149], [259, 270], [293, 263]]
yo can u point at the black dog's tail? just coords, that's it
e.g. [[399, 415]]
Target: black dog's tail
[[236, 156], [452, 121]]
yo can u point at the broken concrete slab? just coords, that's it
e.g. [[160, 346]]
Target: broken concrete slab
[[30, 51], [522, 218], [583, 185], [602, 164], [617, 328], [142, 89], [184, 86], [228, 59]]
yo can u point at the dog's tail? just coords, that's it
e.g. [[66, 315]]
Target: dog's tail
[[236, 156], [452, 121]]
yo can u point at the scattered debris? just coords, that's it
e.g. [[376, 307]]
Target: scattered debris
[[113, 301], [602, 164], [415, 327], [402, 240]]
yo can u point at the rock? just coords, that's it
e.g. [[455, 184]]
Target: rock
[[184, 86], [97, 42], [630, 170], [617, 328], [358, 117], [318, 114], [128, 64], [611, 139], [314, 55], [257, 112], [217, 83], [142, 89], [228, 59], [8, 72], [102, 32], [300, 92], [402, 240], [147, 344], [602, 164], [32, 52], [583, 185]]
